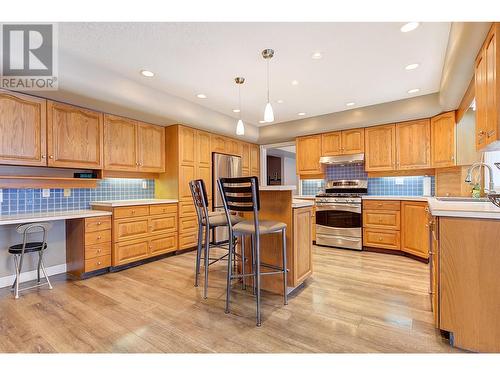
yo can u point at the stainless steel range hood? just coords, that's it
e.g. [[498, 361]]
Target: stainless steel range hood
[[343, 159]]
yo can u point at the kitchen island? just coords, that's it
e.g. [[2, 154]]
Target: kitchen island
[[465, 265], [277, 203]]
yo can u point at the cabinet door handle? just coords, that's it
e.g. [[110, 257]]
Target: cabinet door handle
[[490, 133], [51, 157], [98, 251], [99, 263], [43, 156]]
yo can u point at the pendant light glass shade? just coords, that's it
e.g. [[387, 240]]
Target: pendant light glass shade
[[240, 128], [268, 113]]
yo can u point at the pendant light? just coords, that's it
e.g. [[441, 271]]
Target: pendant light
[[240, 127], [268, 111]]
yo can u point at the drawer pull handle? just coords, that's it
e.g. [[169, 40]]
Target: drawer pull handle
[[99, 263]]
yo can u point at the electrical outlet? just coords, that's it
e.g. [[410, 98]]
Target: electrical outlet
[[45, 193], [67, 192], [144, 184], [399, 181]]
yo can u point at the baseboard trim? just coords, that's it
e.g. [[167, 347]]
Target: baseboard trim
[[32, 275]]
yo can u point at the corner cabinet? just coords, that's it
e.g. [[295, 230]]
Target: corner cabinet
[[308, 154], [380, 148], [74, 136], [487, 93], [443, 140], [133, 146], [23, 129]]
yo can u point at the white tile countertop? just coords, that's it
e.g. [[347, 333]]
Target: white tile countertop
[[50, 216], [396, 197], [478, 210], [298, 203], [277, 188], [132, 202]]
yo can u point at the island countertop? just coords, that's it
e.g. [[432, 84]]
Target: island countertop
[[277, 188], [476, 210]]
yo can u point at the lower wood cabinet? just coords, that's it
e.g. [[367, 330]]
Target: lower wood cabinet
[[141, 232], [396, 225], [88, 245]]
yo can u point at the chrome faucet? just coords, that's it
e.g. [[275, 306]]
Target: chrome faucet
[[480, 164]]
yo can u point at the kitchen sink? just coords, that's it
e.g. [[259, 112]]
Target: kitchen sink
[[462, 199]]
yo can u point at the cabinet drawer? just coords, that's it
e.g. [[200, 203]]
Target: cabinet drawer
[[93, 224], [101, 236], [128, 229], [386, 239], [130, 251], [188, 224], [93, 251], [159, 209], [381, 205], [186, 208], [130, 211], [163, 224], [97, 263], [382, 219], [163, 244], [188, 239]]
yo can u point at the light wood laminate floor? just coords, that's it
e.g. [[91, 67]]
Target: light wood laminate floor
[[355, 302]]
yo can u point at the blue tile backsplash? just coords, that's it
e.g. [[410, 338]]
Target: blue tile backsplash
[[404, 186], [31, 200]]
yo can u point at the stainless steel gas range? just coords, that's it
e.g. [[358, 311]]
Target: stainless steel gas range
[[339, 215]]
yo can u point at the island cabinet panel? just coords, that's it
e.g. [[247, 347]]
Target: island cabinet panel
[[302, 244], [415, 229], [434, 265], [443, 140], [88, 245], [469, 299], [331, 144], [151, 148], [308, 154], [23, 127], [380, 148], [120, 144], [413, 140], [74, 136]]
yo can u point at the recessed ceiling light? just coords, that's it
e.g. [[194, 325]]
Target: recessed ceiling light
[[301, 113], [413, 91], [295, 82], [201, 96], [350, 104], [409, 26], [411, 66], [262, 121], [316, 56], [236, 110], [147, 73], [280, 101]]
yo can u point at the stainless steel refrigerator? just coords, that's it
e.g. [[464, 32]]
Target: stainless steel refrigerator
[[222, 166]]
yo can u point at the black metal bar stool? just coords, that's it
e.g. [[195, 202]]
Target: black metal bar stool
[[209, 221], [19, 250], [241, 194]]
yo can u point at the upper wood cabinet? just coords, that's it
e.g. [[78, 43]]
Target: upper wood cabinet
[[218, 143], [187, 145], [254, 160], [232, 146], [443, 140], [131, 146], [120, 143], [415, 228], [413, 144], [380, 148], [344, 142], [74, 136], [204, 152], [308, 154], [487, 91], [245, 159], [151, 144], [22, 129]]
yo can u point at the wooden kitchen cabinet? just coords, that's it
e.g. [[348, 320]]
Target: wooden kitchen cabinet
[[120, 143], [151, 148], [218, 143], [308, 155], [245, 159], [443, 140], [23, 127], [415, 228], [343, 142], [74, 136], [382, 224], [302, 244], [380, 148], [187, 145], [487, 92], [331, 144], [413, 144], [255, 160]]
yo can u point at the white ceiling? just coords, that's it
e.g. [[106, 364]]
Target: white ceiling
[[362, 62]]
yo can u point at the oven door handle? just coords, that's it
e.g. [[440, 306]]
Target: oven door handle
[[341, 238], [340, 207]]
